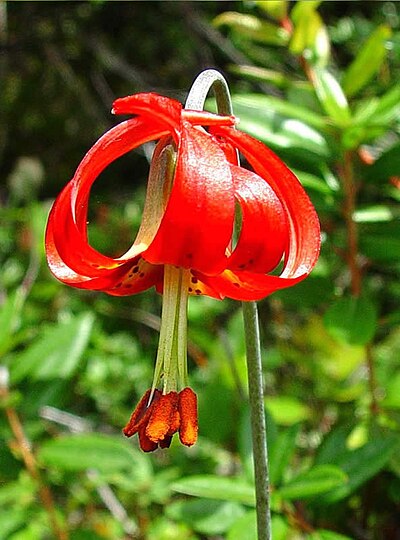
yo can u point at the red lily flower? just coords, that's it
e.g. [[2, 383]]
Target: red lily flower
[[185, 244]]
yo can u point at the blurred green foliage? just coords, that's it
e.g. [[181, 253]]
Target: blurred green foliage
[[319, 83]]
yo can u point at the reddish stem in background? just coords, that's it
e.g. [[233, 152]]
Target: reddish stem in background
[[349, 207], [28, 458]]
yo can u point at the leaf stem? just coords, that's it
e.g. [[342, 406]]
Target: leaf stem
[[257, 419]]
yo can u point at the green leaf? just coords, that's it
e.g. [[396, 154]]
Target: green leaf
[[215, 487], [9, 319], [278, 125], [246, 527], [276, 9], [352, 320], [331, 97], [253, 104], [367, 62], [281, 452], [253, 28], [205, 515], [11, 520], [287, 410], [360, 464], [377, 213], [261, 74], [56, 353], [378, 111], [89, 451], [319, 479], [310, 36], [392, 393]]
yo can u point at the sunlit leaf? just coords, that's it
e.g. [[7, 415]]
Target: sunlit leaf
[[309, 37], [252, 27], [276, 9], [331, 97], [367, 62], [216, 487], [375, 214], [56, 353], [287, 410]]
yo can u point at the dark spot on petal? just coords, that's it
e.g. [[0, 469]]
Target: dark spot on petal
[[197, 291], [190, 289], [141, 274], [135, 269], [118, 285], [194, 280], [241, 266], [251, 261], [189, 255], [237, 284]]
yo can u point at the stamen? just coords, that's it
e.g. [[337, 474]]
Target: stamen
[[162, 417], [145, 443], [188, 412], [138, 416]]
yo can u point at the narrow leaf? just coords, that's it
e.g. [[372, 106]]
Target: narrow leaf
[[215, 487], [253, 28], [367, 62], [56, 353], [331, 97]]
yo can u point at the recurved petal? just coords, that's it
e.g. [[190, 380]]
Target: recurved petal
[[197, 225], [71, 258], [153, 105], [264, 228], [248, 285], [304, 229]]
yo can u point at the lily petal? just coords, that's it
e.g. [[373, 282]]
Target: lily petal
[[247, 285], [67, 224], [198, 222], [264, 231], [304, 229]]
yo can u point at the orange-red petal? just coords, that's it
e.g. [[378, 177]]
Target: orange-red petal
[[197, 225]]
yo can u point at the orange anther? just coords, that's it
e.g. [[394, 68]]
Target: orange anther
[[162, 417], [188, 412], [141, 413], [145, 443]]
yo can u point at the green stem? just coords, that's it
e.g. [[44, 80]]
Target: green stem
[[257, 419], [205, 81]]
